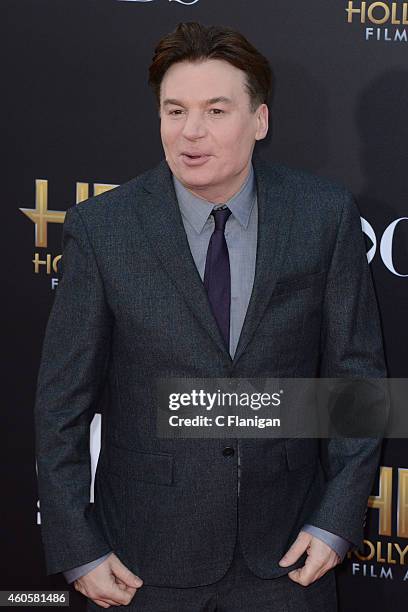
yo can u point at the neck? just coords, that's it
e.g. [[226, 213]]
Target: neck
[[218, 194]]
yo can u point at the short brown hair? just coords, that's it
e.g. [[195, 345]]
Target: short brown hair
[[192, 41]]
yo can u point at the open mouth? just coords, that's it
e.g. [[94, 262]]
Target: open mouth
[[194, 156], [194, 159]]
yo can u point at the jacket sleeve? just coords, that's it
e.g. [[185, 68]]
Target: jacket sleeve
[[73, 363], [351, 347]]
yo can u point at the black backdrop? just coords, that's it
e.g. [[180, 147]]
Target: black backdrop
[[78, 112]]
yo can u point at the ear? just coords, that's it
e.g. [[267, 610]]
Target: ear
[[262, 119]]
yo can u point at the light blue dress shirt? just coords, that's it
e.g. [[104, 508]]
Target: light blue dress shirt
[[241, 232]]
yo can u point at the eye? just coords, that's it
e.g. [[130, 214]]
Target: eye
[[177, 111], [217, 111]]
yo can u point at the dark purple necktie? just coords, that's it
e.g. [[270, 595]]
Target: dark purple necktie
[[217, 275]]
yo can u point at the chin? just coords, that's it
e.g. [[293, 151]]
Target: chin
[[196, 177]]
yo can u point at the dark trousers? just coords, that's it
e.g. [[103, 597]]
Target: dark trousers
[[239, 590]]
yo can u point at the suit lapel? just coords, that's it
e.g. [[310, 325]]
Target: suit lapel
[[163, 225], [275, 212], [161, 219]]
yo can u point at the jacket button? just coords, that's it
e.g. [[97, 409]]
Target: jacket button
[[228, 451]]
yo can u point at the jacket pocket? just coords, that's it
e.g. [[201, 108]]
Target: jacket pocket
[[297, 284], [301, 452], [156, 468]]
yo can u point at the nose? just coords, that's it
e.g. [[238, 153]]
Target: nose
[[194, 126]]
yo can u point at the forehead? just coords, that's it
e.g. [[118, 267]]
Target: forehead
[[202, 80]]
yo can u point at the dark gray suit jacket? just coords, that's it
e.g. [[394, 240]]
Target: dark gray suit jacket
[[131, 307]]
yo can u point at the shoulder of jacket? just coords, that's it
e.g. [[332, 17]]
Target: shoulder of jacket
[[297, 178], [109, 204], [318, 202]]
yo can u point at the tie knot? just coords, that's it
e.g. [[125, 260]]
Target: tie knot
[[220, 217]]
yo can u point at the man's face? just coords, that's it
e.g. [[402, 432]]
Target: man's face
[[207, 128]]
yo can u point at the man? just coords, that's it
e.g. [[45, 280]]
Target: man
[[213, 264]]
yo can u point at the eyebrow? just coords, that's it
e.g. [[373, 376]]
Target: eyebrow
[[216, 100]]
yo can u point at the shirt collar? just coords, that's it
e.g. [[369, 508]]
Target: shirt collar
[[197, 210]]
